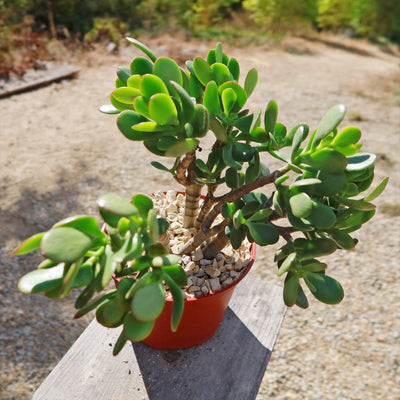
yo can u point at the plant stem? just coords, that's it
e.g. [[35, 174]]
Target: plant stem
[[192, 198]]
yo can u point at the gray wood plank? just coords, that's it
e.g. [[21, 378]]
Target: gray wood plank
[[229, 366], [53, 75]]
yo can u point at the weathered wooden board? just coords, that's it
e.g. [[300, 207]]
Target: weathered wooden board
[[53, 75], [229, 366]]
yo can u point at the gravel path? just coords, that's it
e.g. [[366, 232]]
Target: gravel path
[[58, 154]]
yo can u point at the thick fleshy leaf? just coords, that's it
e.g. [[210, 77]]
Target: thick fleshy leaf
[[181, 147], [202, 71], [141, 106], [135, 330], [228, 100], [263, 234], [289, 262], [360, 161], [234, 68], [324, 288], [298, 137], [330, 183], [301, 205], [141, 66], [304, 182], [159, 166], [178, 304], [65, 244], [120, 343], [307, 249], [162, 110], [143, 203], [253, 170], [343, 239], [349, 135], [109, 314], [167, 260], [151, 84], [290, 289], [271, 116], [41, 280], [350, 218], [328, 123], [116, 205], [83, 223], [168, 70], [186, 101], [221, 73], [321, 216], [250, 82], [326, 160], [153, 225], [142, 47], [358, 204], [232, 178], [177, 273], [126, 95], [84, 309], [228, 157], [31, 244], [211, 99], [239, 91], [148, 302], [109, 109], [134, 81], [377, 191], [123, 74]]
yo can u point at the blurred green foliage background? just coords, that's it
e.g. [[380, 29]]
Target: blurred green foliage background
[[22, 22]]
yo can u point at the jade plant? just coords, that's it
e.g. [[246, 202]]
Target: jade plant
[[312, 204]]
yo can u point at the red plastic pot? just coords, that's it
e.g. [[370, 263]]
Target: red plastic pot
[[200, 320]]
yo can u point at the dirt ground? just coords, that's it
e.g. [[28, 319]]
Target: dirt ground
[[58, 154]]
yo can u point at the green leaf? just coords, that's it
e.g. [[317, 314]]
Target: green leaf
[[271, 116], [200, 121], [330, 183], [125, 95], [360, 161], [153, 225], [162, 110], [377, 191], [94, 303], [228, 100], [301, 205], [234, 68], [328, 123], [307, 249], [326, 160], [343, 239], [143, 48], [65, 244], [133, 81], [299, 136], [232, 178], [83, 223], [116, 205], [168, 70], [326, 289], [221, 73], [41, 280], [109, 109], [141, 66], [350, 218], [159, 166], [108, 265], [202, 71], [31, 244], [126, 120], [239, 91], [263, 234], [301, 300], [289, 262], [167, 260], [254, 168], [69, 278], [123, 74], [304, 182], [211, 99], [181, 147], [152, 84], [187, 102], [321, 216], [218, 130], [290, 289], [177, 273], [141, 106], [120, 343], [358, 204], [148, 302], [109, 314], [143, 203], [348, 136], [250, 82], [178, 304], [228, 157], [135, 330]]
